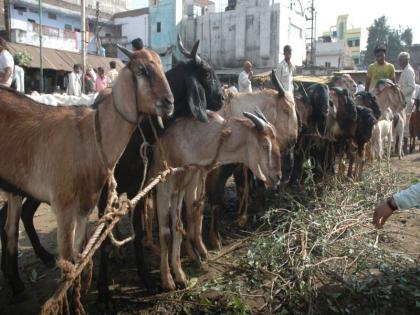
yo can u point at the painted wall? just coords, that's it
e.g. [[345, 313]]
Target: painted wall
[[169, 14], [131, 28], [256, 30]]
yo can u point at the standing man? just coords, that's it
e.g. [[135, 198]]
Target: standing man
[[75, 82], [137, 44], [244, 80], [101, 80], [407, 84], [6, 64], [18, 75], [285, 70], [112, 74], [379, 69]]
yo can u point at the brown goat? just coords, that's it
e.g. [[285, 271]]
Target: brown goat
[[414, 125], [63, 155], [250, 141]]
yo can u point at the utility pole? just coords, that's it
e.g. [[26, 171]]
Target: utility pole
[[311, 18], [41, 54], [98, 43], [83, 13]]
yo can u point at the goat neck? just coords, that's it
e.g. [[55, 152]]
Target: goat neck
[[113, 131]]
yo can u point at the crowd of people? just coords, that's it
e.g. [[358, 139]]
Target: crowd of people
[[13, 75]]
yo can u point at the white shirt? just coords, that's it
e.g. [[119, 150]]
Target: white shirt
[[244, 83], [360, 88], [112, 75], [407, 83], [6, 61], [75, 84], [19, 77], [285, 75]]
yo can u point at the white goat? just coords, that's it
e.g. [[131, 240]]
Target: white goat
[[398, 131], [383, 132]]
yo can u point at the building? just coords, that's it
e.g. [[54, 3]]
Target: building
[[251, 29], [353, 36], [333, 54], [165, 18], [133, 24], [61, 23]]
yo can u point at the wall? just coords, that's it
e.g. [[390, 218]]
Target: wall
[[169, 14], [133, 27], [254, 31], [336, 53]]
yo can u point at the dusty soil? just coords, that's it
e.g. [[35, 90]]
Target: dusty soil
[[41, 282]]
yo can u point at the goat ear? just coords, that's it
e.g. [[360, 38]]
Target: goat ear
[[196, 98], [124, 92]]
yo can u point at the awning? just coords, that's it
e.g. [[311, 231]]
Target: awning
[[55, 59]]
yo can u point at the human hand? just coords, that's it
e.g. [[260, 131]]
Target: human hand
[[381, 214]]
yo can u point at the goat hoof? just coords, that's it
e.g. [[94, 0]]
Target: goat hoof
[[181, 284], [17, 287], [168, 285], [48, 260], [216, 243]]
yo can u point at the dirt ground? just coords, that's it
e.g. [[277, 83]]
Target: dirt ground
[[41, 282]]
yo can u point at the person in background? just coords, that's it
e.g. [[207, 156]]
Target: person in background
[[101, 80], [35, 82], [407, 83], [285, 70], [403, 200], [89, 84], [112, 74], [360, 87], [6, 64], [244, 79], [137, 44], [75, 82], [379, 69], [18, 76]]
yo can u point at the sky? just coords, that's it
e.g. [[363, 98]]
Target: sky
[[361, 12]]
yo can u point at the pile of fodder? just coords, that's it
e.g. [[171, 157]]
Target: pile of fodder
[[317, 254]]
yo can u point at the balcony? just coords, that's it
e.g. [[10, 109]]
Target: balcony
[[52, 37]]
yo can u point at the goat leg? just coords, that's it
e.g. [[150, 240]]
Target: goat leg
[[3, 216], [142, 268], [28, 210], [12, 232]]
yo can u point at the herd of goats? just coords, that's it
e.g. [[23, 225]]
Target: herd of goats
[[65, 155]]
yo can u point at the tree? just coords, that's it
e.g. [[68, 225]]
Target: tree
[[395, 40]]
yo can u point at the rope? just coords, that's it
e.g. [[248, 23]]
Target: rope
[[58, 302]]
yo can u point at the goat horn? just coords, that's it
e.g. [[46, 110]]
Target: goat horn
[[259, 123], [160, 122], [182, 49], [194, 54], [125, 51], [277, 83], [260, 114]]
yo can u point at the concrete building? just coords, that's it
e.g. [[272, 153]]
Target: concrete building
[[355, 37], [165, 18], [133, 24], [253, 29], [331, 54], [61, 23]]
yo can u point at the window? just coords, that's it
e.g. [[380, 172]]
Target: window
[[33, 10], [52, 16], [356, 61], [350, 43], [68, 27], [77, 29], [158, 27], [357, 43], [327, 64], [31, 21]]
